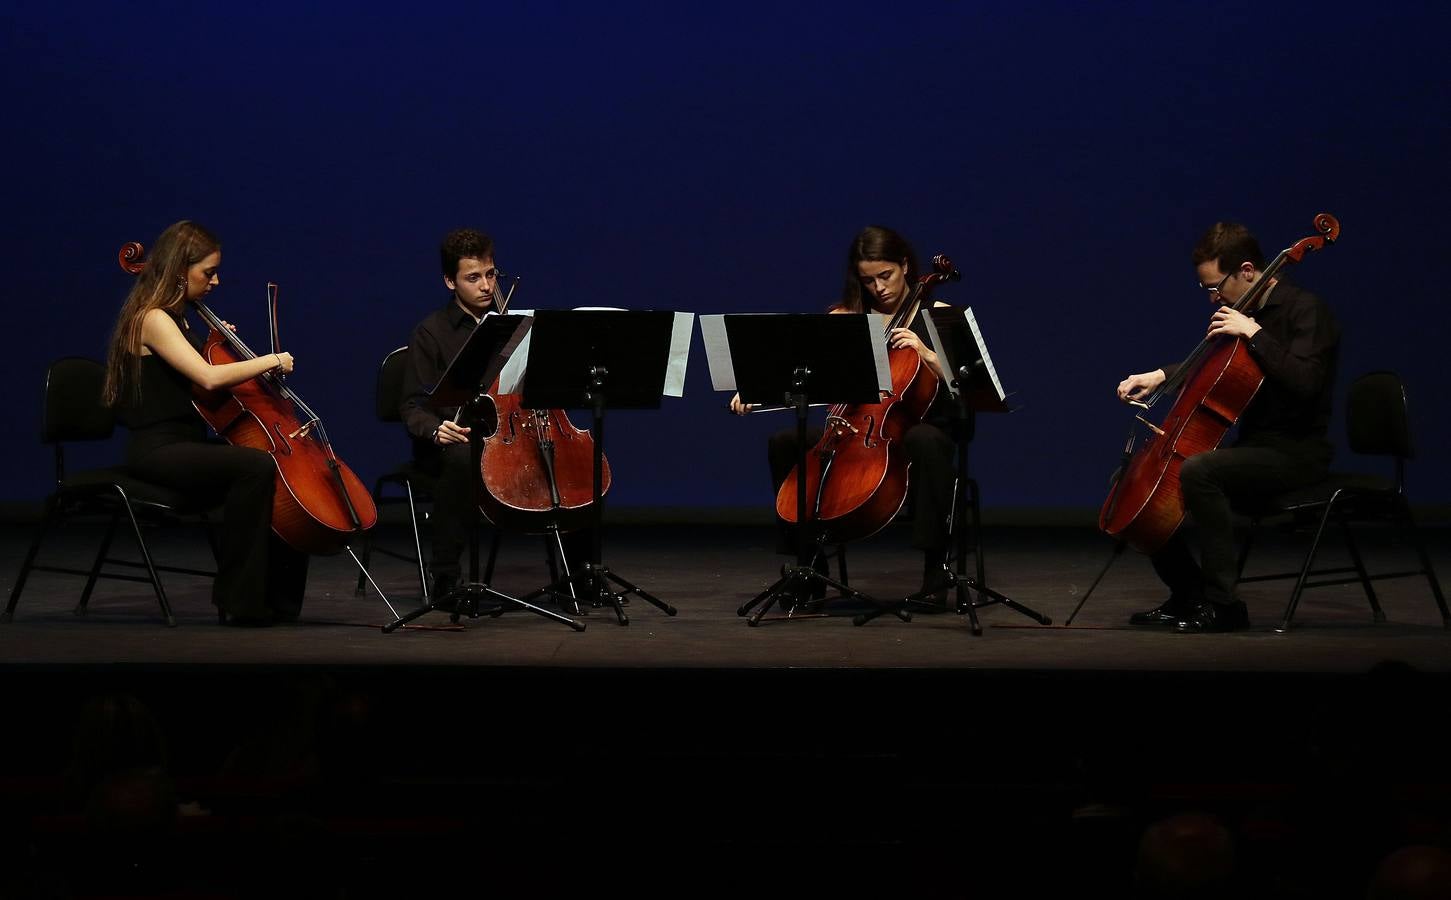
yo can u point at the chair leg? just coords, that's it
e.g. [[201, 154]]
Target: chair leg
[[1376, 612], [146, 558], [1309, 563], [52, 507], [82, 606], [1410, 525]]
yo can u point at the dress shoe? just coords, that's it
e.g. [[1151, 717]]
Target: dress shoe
[[1167, 614], [1215, 617]]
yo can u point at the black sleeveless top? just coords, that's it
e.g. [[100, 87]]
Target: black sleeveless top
[[163, 414]]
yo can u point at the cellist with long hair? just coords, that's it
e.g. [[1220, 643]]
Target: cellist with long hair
[[153, 364], [1282, 445], [881, 269]]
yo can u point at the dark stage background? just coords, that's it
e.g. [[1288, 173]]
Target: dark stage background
[[719, 159]]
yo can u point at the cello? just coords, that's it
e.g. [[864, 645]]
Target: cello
[[856, 478], [1216, 383], [318, 503], [537, 467]]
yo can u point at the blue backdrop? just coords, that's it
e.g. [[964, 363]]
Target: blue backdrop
[[719, 159]]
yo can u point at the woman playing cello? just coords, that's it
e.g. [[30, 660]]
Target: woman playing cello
[[152, 364], [881, 269]]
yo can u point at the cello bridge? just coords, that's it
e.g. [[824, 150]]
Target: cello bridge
[[302, 431]]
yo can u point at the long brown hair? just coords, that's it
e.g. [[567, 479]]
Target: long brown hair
[[161, 285], [876, 244]]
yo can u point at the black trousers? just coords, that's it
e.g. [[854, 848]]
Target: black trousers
[[931, 454], [1212, 483], [453, 508], [258, 576]]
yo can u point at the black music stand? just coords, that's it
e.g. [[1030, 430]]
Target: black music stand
[[597, 360], [974, 387], [465, 383], [790, 361]]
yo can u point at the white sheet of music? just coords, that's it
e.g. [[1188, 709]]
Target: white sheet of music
[[679, 354], [718, 353], [986, 356]]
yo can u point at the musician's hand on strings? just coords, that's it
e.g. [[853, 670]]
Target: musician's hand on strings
[[1135, 387], [906, 337], [230, 327], [740, 408], [1232, 322], [450, 433]]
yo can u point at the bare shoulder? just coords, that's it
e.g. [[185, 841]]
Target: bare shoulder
[[158, 319]]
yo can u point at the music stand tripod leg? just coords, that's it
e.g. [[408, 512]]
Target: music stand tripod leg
[[630, 588]]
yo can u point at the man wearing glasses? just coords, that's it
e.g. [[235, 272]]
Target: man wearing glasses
[[1282, 443]]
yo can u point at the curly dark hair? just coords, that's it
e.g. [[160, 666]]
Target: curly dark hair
[[462, 243]]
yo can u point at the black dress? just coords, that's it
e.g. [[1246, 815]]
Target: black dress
[[259, 578]]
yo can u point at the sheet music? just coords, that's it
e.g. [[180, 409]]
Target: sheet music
[[679, 354], [986, 357], [718, 353], [512, 375]]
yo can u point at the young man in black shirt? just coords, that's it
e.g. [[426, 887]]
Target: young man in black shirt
[[441, 445], [1282, 442]]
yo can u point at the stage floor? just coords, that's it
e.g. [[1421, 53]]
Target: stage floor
[[696, 755], [707, 572]]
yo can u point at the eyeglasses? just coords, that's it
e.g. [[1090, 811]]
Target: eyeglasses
[[1218, 288]]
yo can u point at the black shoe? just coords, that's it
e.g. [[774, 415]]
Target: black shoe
[[1167, 614], [1215, 617]]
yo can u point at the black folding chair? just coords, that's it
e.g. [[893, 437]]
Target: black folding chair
[[73, 412], [1379, 425], [417, 485]]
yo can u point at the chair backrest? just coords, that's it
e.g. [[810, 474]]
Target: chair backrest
[[73, 410], [389, 393], [1376, 416]]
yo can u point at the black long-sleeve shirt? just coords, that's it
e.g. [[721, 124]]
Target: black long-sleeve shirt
[[1297, 347], [435, 342]]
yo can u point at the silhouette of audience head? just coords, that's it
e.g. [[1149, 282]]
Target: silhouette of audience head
[[1189, 855], [1418, 872]]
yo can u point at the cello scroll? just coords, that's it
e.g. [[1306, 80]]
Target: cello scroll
[[132, 257], [1329, 228]]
